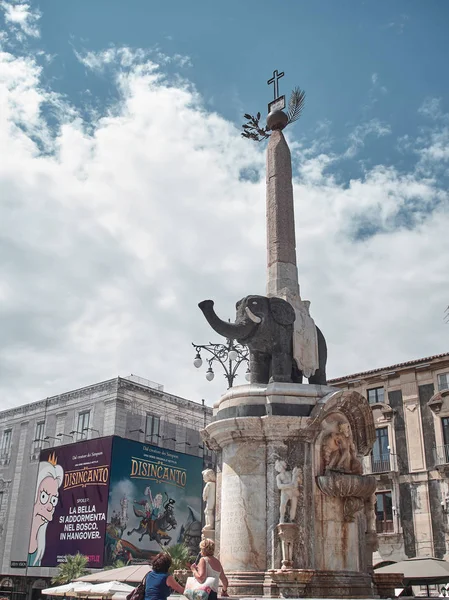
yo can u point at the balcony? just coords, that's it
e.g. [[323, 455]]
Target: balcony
[[383, 463], [384, 527], [5, 457], [441, 454]]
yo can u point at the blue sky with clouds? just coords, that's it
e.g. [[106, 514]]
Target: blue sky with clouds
[[127, 194], [355, 59]]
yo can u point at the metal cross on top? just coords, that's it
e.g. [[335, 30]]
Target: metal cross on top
[[275, 80]]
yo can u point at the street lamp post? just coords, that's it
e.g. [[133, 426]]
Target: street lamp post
[[230, 356]]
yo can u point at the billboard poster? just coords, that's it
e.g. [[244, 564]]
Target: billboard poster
[[70, 503], [154, 501]]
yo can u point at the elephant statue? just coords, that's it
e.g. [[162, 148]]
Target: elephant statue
[[265, 325]]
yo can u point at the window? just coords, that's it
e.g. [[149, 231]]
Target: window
[[443, 381], [152, 424], [445, 450], [6, 442], [445, 423], [38, 436], [384, 513], [83, 425], [1, 500], [376, 395], [380, 458]]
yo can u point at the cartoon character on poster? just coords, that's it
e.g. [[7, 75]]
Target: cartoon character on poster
[[119, 521], [157, 517], [49, 480]]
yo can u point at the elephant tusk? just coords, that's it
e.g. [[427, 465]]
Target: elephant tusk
[[252, 316]]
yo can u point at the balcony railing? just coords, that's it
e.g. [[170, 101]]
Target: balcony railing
[[382, 465], [441, 454], [5, 457], [384, 527]]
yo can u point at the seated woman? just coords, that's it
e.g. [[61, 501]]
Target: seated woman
[[209, 566], [159, 584]]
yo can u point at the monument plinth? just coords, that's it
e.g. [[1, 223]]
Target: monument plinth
[[263, 458], [294, 512]]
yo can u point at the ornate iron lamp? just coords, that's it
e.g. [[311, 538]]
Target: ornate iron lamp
[[230, 356]]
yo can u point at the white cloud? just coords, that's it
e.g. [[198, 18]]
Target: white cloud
[[118, 57], [22, 18], [359, 134], [375, 93], [126, 57], [431, 108], [432, 145], [398, 25], [110, 240], [376, 86], [436, 151]]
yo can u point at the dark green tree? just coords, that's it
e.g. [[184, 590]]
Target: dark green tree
[[74, 567], [180, 556]]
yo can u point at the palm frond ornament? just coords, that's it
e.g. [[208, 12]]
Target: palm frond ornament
[[295, 105]]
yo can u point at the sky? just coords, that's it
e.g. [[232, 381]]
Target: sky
[[127, 194]]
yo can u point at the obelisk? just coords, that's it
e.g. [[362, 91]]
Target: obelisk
[[281, 240], [282, 270]]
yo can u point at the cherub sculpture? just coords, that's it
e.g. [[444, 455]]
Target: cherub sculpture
[[288, 483], [339, 452], [209, 498]]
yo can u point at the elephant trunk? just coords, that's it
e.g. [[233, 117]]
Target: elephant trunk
[[232, 331]]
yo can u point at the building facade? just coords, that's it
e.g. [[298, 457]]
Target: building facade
[[131, 407], [410, 458]]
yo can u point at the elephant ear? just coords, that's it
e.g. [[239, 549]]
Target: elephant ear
[[283, 312]]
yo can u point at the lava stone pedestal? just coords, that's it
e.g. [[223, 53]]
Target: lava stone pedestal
[[323, 554]]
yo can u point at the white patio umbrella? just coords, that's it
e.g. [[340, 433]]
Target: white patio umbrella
[[420, 571], [129, 574], [66, 589], [58, 590], [108, 588]]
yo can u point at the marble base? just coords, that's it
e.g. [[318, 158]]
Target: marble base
[[386, 583], [305, 583], [208, 534], [288, 583], [287, 533], [245, 583], [254, 427], [340, 584], [276, 399]]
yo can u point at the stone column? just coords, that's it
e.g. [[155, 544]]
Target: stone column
[[242, 517], [281, 242], [218, 506], [243, 507]]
